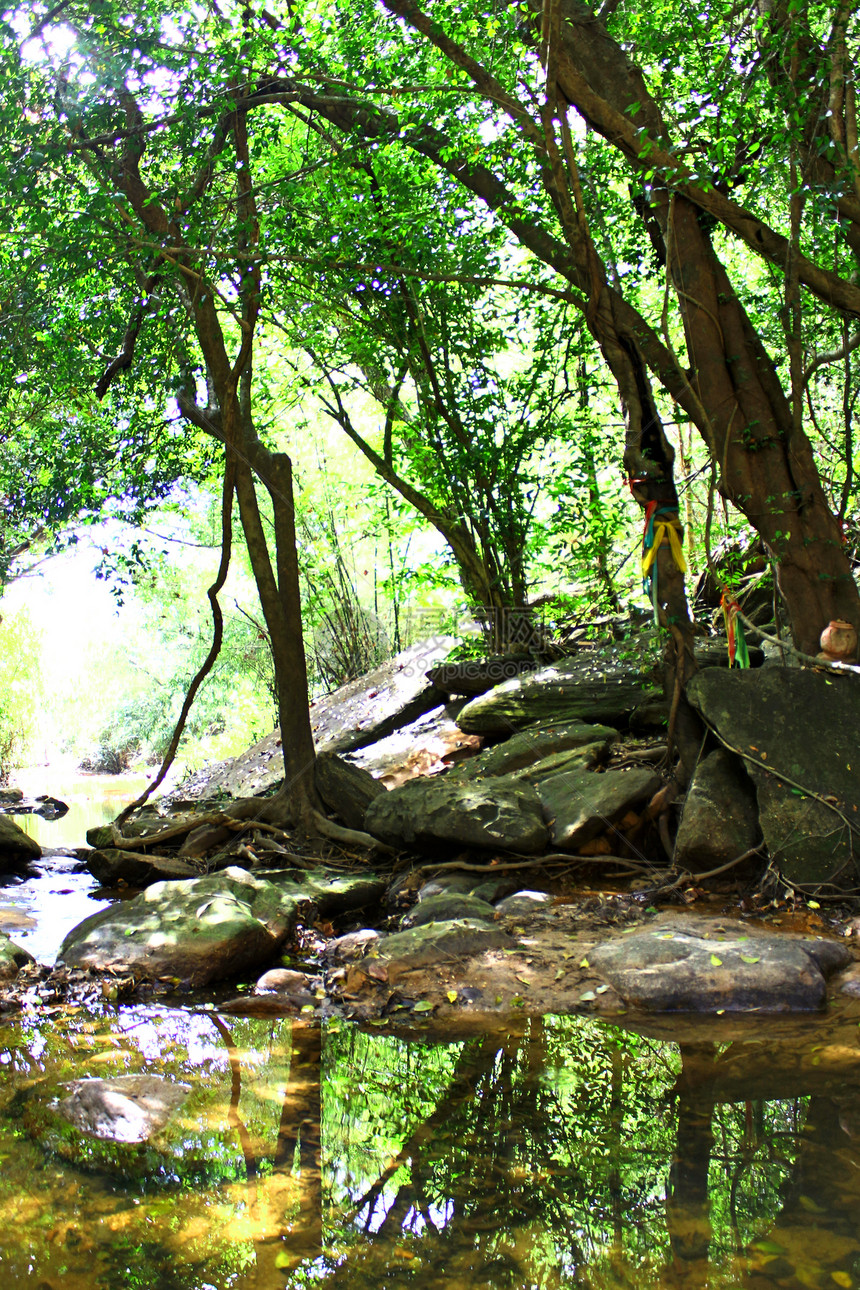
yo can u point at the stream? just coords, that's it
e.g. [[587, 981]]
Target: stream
[[523, 1153]]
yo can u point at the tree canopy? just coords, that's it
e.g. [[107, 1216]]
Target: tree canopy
[[493, 224]]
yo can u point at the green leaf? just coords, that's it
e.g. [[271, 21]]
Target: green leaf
[[717, 962], [424, 1006]]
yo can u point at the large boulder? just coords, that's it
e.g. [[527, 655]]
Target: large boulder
[[574, 689], [797, 732], [720, 819], [697, 965], [331, 892], [16, 848], [534, 744], [197, 930], [494, 813]]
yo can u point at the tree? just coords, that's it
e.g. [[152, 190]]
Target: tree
[[156, 183]]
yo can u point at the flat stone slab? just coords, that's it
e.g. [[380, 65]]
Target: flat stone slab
[[537, 745], [696, 965], [797, 731], [352, 716], [197, 930], [112, 865], [456, 938], [574, 689], [447, 905]]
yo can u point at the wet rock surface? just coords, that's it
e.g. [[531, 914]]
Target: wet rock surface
[[128, 1108]]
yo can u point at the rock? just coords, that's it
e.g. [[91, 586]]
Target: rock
[[451, 883], [579, 804], [422, 946], [128, 1108], [446, 906], [284, 980], [720, 818], [691, 965], [331, 891], [475, 676], [343, 949], [802, 725], [574, 689], [424, 812], [197, 930], [113, 866], [534, 744], [523, 903], [481, 885], [16, 848], [283, 986], [352, 716], [137, 1128], [346, 789], [426, 746], [11, 795], [12, 958]]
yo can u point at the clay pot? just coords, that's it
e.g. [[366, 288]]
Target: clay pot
[[839, 640]]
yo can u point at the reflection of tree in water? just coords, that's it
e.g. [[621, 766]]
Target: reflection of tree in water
[[761, 1181], [521, 1174]]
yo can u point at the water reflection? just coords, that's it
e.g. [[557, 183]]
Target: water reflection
[[91, 799], [563, 1152]]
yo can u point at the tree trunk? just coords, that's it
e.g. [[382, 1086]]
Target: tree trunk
[[280, 599], [767, 464]]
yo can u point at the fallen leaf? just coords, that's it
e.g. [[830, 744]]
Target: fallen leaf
[[717, 962], [451, 996], [584, 963], [750, 958], [587, 997], [424, 1005]]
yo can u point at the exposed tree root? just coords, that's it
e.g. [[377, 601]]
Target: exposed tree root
[[352, 837]]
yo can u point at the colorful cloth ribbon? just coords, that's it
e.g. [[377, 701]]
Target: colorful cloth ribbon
[[738, 653], [657, 532]]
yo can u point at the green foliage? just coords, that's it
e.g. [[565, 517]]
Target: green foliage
[[20, 690]]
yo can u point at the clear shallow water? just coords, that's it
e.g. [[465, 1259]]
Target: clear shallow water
[[562, 1152]]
